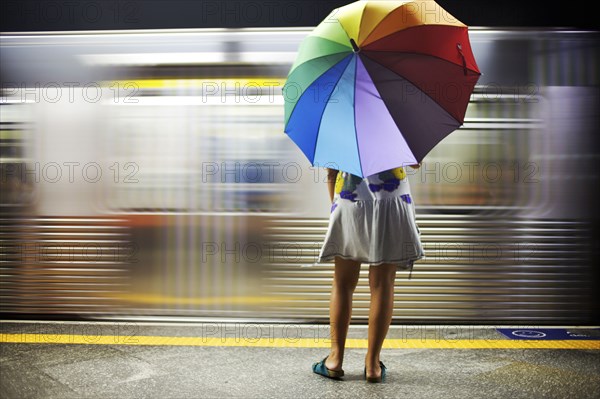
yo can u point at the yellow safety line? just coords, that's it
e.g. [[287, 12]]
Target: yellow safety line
[[209, 83], [294, 343]]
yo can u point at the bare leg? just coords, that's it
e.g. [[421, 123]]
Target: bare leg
[[381, 283], [345, 280]]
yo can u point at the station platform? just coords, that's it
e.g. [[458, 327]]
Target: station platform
[[216, 359]]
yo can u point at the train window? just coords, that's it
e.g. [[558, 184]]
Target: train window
[[190, 156], [487, 161], [18, 172]]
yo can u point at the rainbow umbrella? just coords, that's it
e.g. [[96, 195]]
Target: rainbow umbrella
[[378, 84]]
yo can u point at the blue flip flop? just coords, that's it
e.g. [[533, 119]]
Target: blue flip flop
[[320, 368], [376, 379]]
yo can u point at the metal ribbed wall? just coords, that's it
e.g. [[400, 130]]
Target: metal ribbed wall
[[477, 269]]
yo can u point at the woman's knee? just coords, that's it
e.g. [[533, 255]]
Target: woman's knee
[[347, 285], [382, 276], [346, 274]]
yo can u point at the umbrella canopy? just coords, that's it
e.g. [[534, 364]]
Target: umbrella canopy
[[378, 84]]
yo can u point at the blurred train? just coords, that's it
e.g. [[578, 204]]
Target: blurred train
[[146, 176]]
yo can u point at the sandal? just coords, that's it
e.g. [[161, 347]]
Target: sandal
[[320, 368], [376, 379]]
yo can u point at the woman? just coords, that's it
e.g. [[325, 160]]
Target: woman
[[372, 220]]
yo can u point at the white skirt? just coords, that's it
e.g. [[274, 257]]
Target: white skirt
[[375, 231]]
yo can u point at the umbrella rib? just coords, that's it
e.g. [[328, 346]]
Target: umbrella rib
[[366, 48], [366, 52], [325, 108], [329, 40], [380, 22], [412, 83], [324, 55], [354, 109], [349, 51], [344, 29], [317, 78], [411, 27], [404, 29], [435, 102], [387, 108]]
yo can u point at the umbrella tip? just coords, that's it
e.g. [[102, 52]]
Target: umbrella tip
[[354, 46]]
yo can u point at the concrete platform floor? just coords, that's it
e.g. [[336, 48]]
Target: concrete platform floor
[[208, 370]]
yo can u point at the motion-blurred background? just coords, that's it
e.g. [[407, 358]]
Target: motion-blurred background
[[146, 175]]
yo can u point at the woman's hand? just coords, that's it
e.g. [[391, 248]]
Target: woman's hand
[[331, 177]]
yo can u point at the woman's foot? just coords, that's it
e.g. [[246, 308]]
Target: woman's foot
[[374, 371], [333, 363], [322, 369]]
